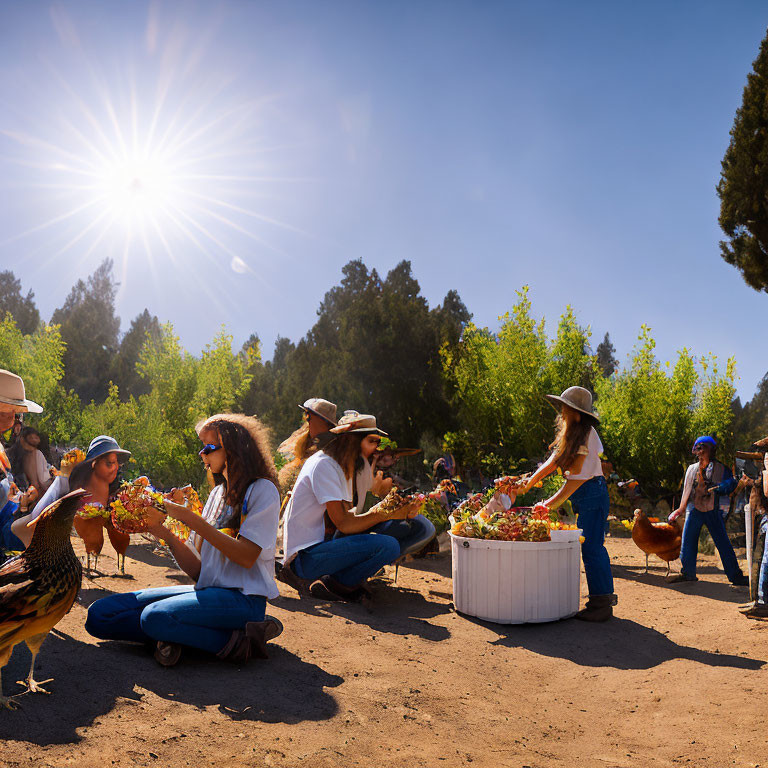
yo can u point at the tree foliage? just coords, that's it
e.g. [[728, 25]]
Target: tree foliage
[[499, 381], [12, 301], [90, 329], [744, 180], [650, 414], [606, 356]]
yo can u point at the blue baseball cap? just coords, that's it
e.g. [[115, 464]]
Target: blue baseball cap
[[104, 444], [704, 440]]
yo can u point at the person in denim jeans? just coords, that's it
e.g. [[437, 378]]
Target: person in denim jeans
[[315, 562], [230, 554], [706, 486], [576, 452]]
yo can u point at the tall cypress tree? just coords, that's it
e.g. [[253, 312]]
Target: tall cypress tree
[[743, 186]]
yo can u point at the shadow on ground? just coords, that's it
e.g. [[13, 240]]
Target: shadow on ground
[[395, 610], [284, 689], [618, 643], [713, 590]]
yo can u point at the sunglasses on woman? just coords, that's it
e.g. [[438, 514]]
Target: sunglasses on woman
[[208, 448]]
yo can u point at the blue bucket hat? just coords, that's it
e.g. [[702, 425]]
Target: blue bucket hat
[[104, 444], [704, 440]]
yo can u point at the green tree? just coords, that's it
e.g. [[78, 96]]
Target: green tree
[[90, 329], [744, 180], [606, 356], [498, 383], [650, 414], [123, 371], [22, 307]]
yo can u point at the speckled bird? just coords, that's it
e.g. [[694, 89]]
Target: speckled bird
[[38, 588]]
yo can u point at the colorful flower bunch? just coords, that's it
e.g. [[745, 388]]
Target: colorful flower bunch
[[189, 498], [90, 509], [130, 507], [514, 524]]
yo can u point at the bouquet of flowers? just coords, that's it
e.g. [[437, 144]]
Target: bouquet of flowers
[[189, 498], [69, 461], [393, 501], [90, 509], [514, 524], [129, 509]]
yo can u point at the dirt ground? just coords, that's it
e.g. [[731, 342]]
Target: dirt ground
[[678, 678]]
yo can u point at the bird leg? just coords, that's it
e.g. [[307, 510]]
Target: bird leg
[[5, 702], [646, 562], [34, 643], [121, 564], [669, 569]]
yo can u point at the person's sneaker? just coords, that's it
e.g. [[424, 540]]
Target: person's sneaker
[[167, 654], [327, 588], [740, 581], [288, 576], [679, 578]]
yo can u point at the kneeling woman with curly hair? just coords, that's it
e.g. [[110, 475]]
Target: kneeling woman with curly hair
[[230, 554]]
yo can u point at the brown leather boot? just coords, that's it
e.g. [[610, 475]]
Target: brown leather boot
[[598, 608], [238, 648], [260, 633], [328, 588]]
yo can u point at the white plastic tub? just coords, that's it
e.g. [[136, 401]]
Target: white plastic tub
[[515, 582]]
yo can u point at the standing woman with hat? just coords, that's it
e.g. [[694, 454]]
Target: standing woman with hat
[[576, 452]]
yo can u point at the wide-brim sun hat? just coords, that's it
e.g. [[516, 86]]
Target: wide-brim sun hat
[[12, 393], [104, 444], [358, 422], [323, 408], [578, 398]]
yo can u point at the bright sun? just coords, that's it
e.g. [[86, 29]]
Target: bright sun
[[137, 188]]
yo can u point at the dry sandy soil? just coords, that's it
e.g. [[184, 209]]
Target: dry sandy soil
[[677, 678]]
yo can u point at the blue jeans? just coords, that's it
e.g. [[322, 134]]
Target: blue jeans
[[412, 535], [762, 581], [690, 547], [8, 539], [201, 618], [349, 559], [590, 503]]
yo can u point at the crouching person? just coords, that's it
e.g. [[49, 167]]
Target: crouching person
[[315, 562], [230, 554]]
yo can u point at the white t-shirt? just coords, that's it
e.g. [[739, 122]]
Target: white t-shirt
[[58, 488], [592, 466], [321, 480], [259, 525]]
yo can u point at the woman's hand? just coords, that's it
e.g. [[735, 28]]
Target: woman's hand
[[179, 512], [155, 519], [674, 515], [381, 486], [765, 460]]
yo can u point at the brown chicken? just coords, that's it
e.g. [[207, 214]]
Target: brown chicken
[[38, 587], [660, 539], [91, 531]]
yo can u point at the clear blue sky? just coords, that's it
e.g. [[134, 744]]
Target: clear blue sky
[[573, 147]]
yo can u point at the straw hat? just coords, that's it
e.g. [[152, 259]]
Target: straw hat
[[12, 393], [578, 398], [357, 422], [322, 408]]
